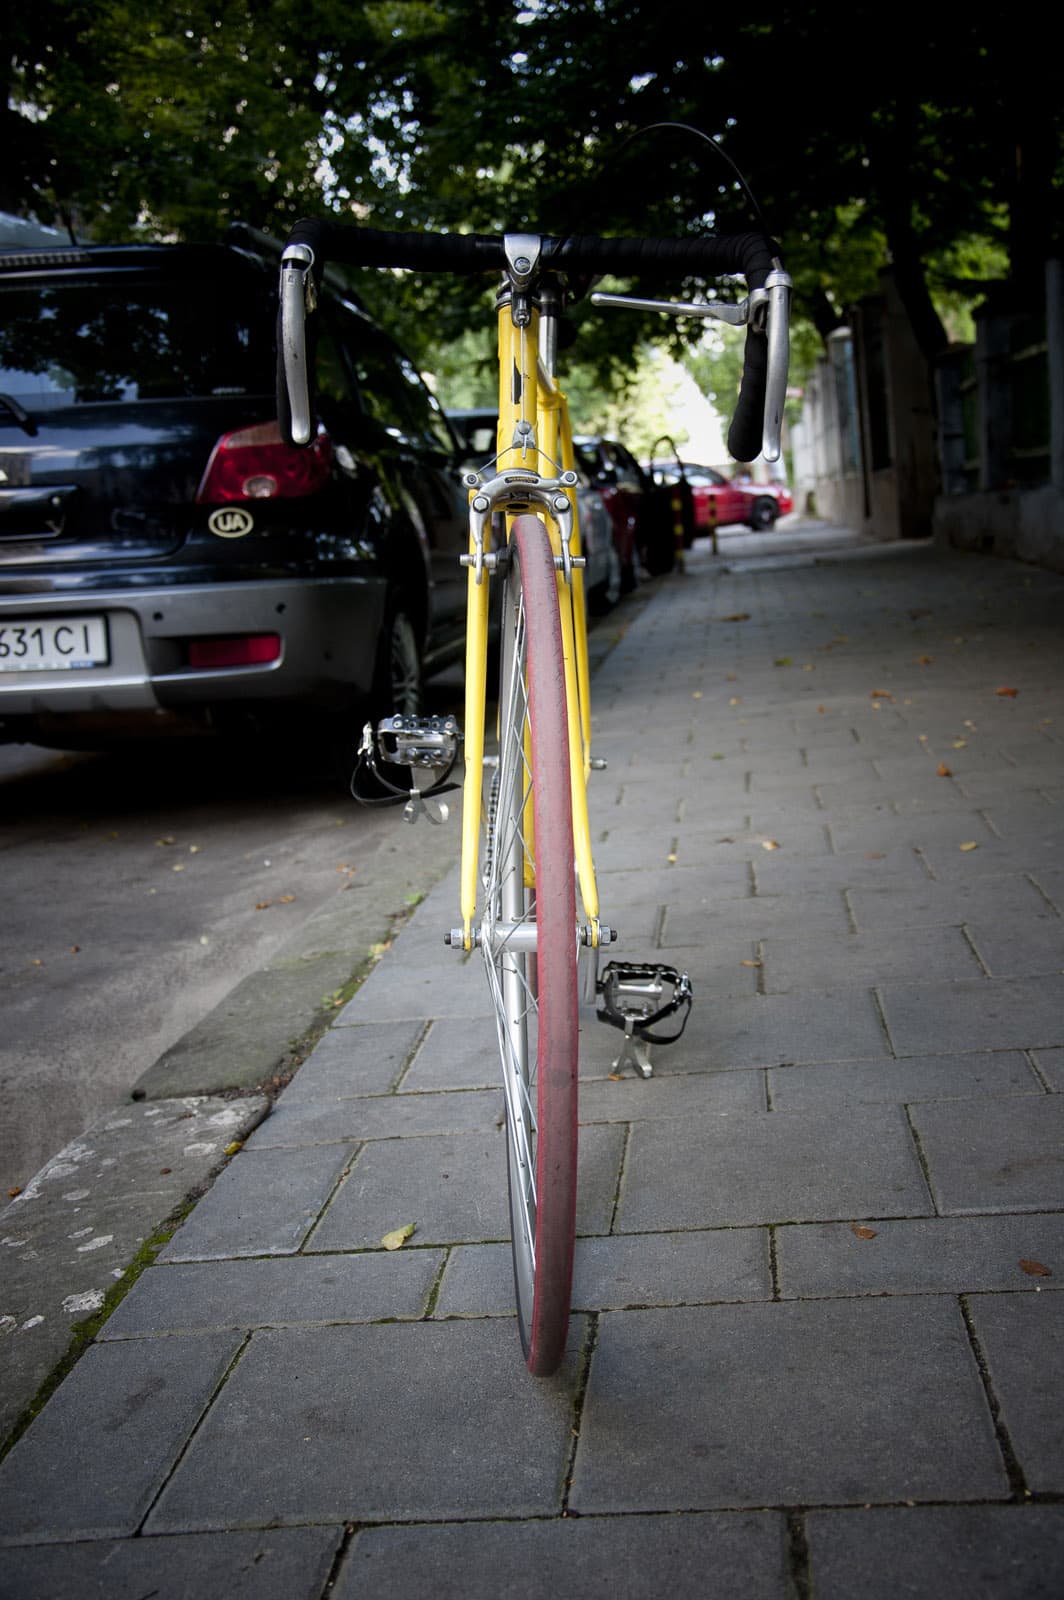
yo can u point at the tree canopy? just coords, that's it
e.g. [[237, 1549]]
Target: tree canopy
[[931, 141]]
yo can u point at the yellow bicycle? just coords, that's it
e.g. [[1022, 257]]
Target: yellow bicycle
[[526, 842]]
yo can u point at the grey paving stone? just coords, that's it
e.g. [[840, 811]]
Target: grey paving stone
[[998, 857], [330, 1424], [76, 1227], [788, 1166], [923, 831], [630, 885], [680, 1095], [270, 1293], [942, 1255], [1022, 1337], [805, 1402], [938, 1553], [904, 1082], [361, 1058], [625, 1270], [926, 954], [859, 870], [278, 1564], [453, 1188], [92, 1462], [1014, 949], [765, 1030], [1050, 1064], [626, 1558], [994, 1154], [1050, 881], [264, 1204], [442, 983], [928, 904], [385, 1116], [996, 1014], [699, 922], [456, 1055]]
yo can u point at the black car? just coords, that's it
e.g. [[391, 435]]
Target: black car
[[164, 557]]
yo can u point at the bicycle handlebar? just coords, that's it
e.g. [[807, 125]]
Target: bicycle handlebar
[[313, 241]]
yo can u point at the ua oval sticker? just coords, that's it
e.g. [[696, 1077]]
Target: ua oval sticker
[[230, 522]]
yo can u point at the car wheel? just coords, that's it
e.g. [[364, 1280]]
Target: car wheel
[[605, 595], [763, 514], [398, 683]]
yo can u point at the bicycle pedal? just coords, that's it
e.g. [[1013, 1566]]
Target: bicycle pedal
[[426, 743], [416, 744], [634, 998]]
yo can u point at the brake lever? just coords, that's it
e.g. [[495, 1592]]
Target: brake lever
[[767, 310], [777, 328], [298, 297]]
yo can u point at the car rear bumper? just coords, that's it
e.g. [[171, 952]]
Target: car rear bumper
[[327, 629]]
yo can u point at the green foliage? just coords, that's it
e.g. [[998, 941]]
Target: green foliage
[[168, 118]]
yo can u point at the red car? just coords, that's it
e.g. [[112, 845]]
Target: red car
[[756, 505]]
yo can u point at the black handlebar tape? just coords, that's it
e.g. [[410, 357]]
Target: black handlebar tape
[[751, 254], [748, 253], [748, 421]]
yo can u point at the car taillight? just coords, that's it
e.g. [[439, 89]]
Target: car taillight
[[256, 464], [245, 650]]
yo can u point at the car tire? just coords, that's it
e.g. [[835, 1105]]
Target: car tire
[[397, 684], [763, 514], [605, 595]]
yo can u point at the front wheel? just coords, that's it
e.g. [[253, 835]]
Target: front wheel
[[528, 938]]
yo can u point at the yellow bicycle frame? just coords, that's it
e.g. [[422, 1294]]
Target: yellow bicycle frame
[[529, 394]]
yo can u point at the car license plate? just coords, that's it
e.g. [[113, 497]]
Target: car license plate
[[53, 644]]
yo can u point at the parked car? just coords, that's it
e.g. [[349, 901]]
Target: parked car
[[477, 430], [615, 472], [164, 558], [734, 500]]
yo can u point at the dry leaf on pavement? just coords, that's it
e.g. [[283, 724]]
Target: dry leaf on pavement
[[1034, 1269], [862, 1233]]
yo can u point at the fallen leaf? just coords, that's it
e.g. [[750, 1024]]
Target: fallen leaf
[[734, 701], [697, 695], [671, 858], [615, 1077], [944, 771], [737, 616], [769, 844], [75, 949], [263, 905], [1011, 693], [924, 661], [960, 744], [167, 838], [862, 1233], [750, 963], [178, 866], [164, 1172], [783, 661], [970, 844], [822, 710], [874, 855], [881, 694], [193, 849], [1034, 1269], [231, 1149], [718, 755], [398, 1236], [12, 1193], [286, 899], [36, 961]]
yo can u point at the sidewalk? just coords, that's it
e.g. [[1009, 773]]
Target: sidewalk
[[817, 1345]]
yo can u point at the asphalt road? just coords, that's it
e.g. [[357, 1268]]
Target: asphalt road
[[137, 891]]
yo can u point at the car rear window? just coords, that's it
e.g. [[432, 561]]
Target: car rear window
[[87, 343]]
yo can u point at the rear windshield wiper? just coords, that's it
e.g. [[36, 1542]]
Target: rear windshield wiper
[[20, 414]]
